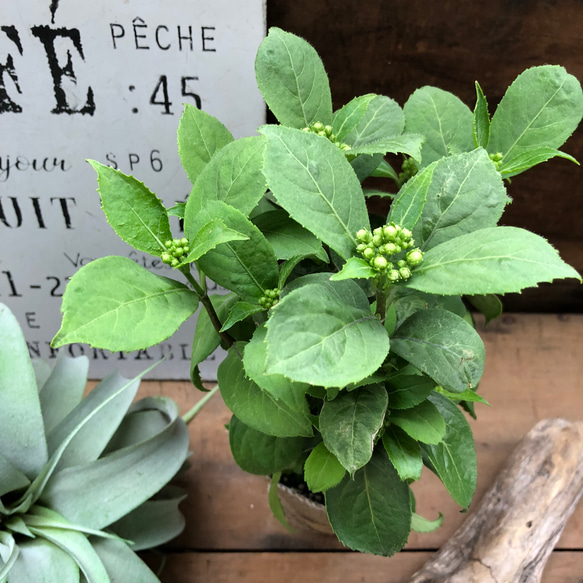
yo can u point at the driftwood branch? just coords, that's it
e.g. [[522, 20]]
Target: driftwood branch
[[511, 533]]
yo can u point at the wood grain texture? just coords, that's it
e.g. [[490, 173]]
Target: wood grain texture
[[534, 370]]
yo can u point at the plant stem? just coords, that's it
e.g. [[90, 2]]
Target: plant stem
[[190, 415], [208, 306]]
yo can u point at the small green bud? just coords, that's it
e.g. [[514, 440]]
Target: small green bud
[[178, 251], [377, 240], [368, 253], [168, 244], [393, 275], [398, 249], [380, 263], [406, 234], [174, 262], [184, 241], [360, 247], [414, 257], [405, 272], [318, 126], [390, 249], [389, 232], [166, 258], [362, 236], [402, 263]]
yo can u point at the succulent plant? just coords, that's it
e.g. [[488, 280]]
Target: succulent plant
[[83, 481]]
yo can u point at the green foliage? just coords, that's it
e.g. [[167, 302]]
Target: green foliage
[[351, 349], [82, 477]]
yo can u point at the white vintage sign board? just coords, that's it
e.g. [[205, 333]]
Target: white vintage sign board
[[106, 80]]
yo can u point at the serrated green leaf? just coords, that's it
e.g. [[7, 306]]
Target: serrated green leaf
[[239, 312], [124, 306], [292, 80], [322, 469], [404, 453], [443, 346], [350, 423], [409, 144], [120, 561], [466, 194], [135, 213], [423, 422], [234, 175], [177, 210], [310, 177], [530, 158], [495, 260], [454, 459], [410, 200], [348, 117], [120, 481], [469, 396], [200, 135], [287, 237], [444, 120], [41, 561], [489, 305], [420, 524], [371, 512], [382, 119], [246, 267], [407, 390], [541, 108], [261, 454], [22, 439], [322, 335], [354, 268], [481, 124], [257, 408], [63, 389]]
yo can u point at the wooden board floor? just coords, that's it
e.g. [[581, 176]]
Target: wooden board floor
[[534, 370]]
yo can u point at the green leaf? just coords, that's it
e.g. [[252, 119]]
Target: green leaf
[[382, 119], [325, 335], [410, 200], [121, 563], [371, 512], [120, 481], [11, 478], [292, 80], [136, 214], [466, 194], [322, 469], [365, 165], [531, 158], [469, 396], [239, 312], [348, 117], [40, 561], [454, 459], [444, 120], [206, 339], [287, 237], [443, 346], [423, 422], [481, 125], [541, 108], [177, 210], [9, 553], [354, 268], [420, 524], [275, 502], [208, 237], [116, 304], [79, 549], [100, 413], [155, 522], [257, 408], [310, 177], [489, 305], [246, 267], [64, 389], [200, 135], [404, 453], [22, 439], [280, 387], [409, 144], [261, 454], [495, 260], [350, 423], [234, 175], [406, 391]]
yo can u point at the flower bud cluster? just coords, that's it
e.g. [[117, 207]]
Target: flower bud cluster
[[326, 132], [497, 159], [269, 299], [408, 170], [389, 250], [176, 251]]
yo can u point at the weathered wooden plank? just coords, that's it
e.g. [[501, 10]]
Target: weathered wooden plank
[[534, 370], [261, 567]]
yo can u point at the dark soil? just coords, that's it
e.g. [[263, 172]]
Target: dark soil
[[296, 482]]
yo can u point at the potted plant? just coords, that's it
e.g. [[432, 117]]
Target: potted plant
[[84, 482], [351, 349]]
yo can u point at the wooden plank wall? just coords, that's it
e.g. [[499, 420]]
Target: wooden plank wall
[[534, 370], [393, 47]]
